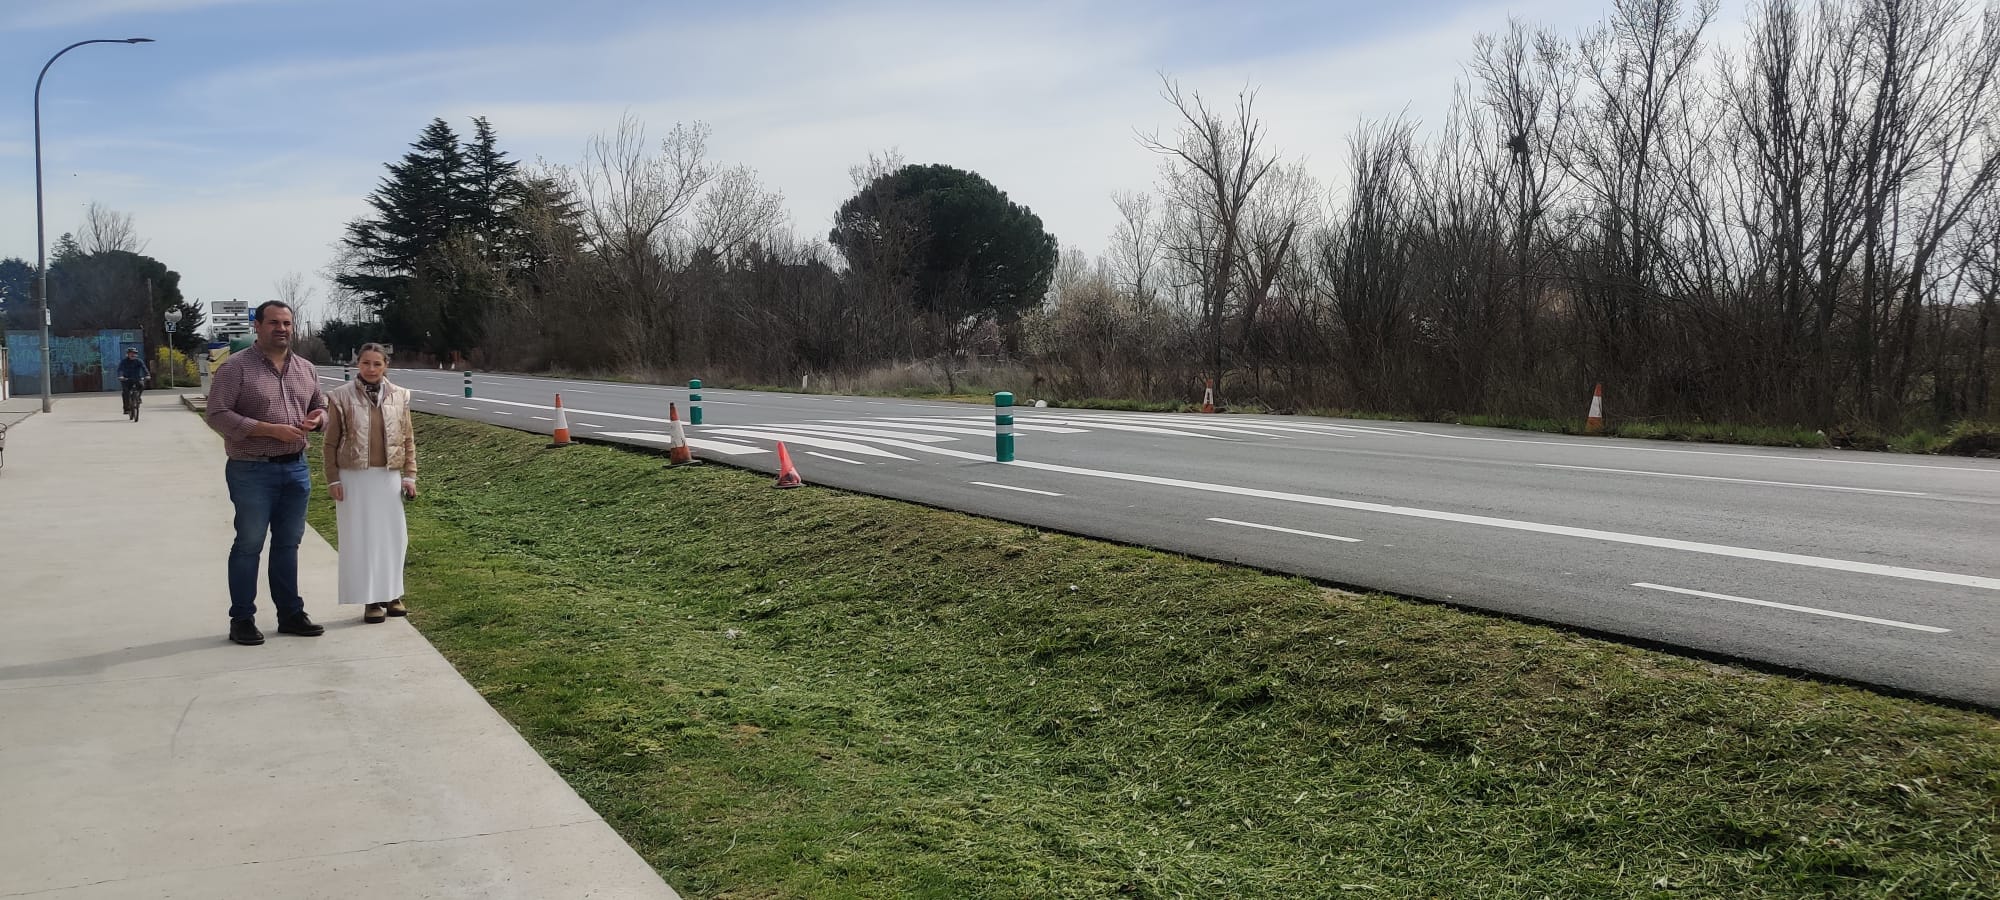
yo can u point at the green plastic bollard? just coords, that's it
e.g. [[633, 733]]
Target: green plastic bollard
[[468, 384], [1003, 427], [694, 402]]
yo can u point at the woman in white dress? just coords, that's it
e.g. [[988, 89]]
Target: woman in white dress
[[371, 465]]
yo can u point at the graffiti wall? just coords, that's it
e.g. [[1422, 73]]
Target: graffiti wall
[[80, 363]]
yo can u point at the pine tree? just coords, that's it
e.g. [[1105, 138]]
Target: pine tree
[[418, 207], [493, 189]]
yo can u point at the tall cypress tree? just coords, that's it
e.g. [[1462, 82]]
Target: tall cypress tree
[[492, 188], [420, 204]]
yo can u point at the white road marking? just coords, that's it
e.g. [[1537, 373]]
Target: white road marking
[[541, 418], [501, 412], [1288, 427], [1823, 487], [809, 440], [1330, 537], [589, 425], [723, 447], [1602, 446], [854, 432], [1192, 426], [583, 412], [1929, 629], [969, 431], [1009, 487], [851, 462], [1140, 429], [934, 423], [1616, 537]]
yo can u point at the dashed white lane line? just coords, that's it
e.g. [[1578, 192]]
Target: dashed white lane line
[[541, 418], [590, 425], [500, 412], [1314, 534], [851, 462], [1822, 487], [1009, 487], [1928, 629]]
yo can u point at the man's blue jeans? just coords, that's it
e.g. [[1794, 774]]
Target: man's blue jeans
[[269, 497]]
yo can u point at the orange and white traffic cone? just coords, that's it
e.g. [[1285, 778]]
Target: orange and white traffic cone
[[788, 477], [562, 425], [1595, 423], [1208, 396], [678, 451]]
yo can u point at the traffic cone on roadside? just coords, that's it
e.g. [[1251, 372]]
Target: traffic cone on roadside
[[1208, 396], [678, 451], [1595, 423], [788, 477], [562, 425]]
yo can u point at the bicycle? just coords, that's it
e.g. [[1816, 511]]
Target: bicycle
[[135, 392]]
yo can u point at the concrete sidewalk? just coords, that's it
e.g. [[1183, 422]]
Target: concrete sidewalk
[[142, 755]]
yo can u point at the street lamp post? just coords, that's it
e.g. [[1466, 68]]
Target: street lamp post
[[41, 238], [173, 322]]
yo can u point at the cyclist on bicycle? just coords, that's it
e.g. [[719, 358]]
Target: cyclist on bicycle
[[132, 374]]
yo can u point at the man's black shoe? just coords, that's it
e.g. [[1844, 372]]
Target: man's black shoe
[[301, 625], [244, 631]]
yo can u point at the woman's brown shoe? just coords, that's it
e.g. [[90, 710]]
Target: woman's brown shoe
[[374, 614], [396, 608]]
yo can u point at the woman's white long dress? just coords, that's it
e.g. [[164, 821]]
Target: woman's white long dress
[[374, 537]]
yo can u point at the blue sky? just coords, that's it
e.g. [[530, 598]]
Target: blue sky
[[252, 130]]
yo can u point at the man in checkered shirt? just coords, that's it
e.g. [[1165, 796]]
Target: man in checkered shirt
[[264, 401]]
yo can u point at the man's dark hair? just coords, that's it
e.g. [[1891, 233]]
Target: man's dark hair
[[259, 315], [131, 349]]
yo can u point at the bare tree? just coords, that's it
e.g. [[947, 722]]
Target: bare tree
[[634, 201], [1284, 210], [1135, 245], [106, 230], [1213, 168], [1528, 87], [1367, 262], [736, 211]]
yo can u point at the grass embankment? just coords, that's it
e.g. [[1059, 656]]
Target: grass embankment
[[816, 694]]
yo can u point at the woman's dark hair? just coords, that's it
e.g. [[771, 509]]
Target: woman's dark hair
[[371, 345]]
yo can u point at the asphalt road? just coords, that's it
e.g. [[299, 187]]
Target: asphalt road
[[1878, 568]]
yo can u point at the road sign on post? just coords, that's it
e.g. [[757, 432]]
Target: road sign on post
[[694, 402], [1003, 427]]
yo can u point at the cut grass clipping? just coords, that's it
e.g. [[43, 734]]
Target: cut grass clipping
[[817, 694]]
